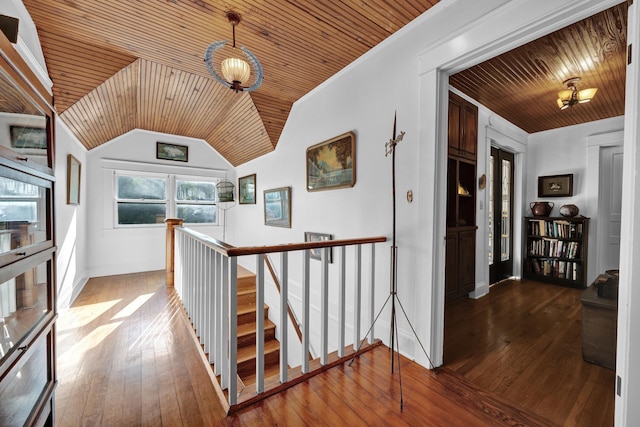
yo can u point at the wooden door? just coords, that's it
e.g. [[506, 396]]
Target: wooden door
[[501, 173], [610, 207]]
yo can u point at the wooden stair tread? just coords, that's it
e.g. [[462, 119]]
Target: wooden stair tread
[[271, 375], [243, 272], [249, 352], [250, 328], [248, 308]]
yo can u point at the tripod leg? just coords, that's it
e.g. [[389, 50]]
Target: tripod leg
[[399, 372], [414, 333], [394, 328], [370, 328]]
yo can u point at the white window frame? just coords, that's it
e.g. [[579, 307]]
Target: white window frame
[[170, 200], [193, 178]]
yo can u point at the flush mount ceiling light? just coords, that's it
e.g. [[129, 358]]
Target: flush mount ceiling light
[[571, 96], [233, 67]]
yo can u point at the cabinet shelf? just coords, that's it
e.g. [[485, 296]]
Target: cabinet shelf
[[555, 250]]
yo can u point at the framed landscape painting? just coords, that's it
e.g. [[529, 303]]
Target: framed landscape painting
[[331, 164], [165, 151], [277, 207], [247, 189]]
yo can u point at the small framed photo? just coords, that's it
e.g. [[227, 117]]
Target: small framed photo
[[318, 237], [277, 207], [555, 185], [332, 164], [247, 189], [178, 153], [73, 180]]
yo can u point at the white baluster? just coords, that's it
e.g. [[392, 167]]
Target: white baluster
[[324, 308], [356, 298], [232, 287], [259, 324], [341, 301], [305, 311], [284, 292]]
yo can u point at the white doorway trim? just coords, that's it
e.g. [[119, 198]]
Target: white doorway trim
[[595, 143], [502, 26]]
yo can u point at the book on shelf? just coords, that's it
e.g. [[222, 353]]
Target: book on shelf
[[556, 228]]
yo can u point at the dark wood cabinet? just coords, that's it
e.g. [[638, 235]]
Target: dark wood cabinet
[[461, 262], [461, 199], [27, 248], [463, 128], [555, 250]]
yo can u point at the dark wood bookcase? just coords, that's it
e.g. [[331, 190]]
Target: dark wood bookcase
[[555, 250]]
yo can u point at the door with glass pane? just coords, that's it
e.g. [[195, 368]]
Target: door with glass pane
[[500, 215]]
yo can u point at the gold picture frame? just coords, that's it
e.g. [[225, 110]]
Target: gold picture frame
[[74, 167], [332, 164]]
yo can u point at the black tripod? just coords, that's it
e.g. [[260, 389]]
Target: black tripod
[[390, 148]]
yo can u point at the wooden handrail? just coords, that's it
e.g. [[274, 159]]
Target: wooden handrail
[[292, 316], [209, 241], [257, 250], [232, 251]]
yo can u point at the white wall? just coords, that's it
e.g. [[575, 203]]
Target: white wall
[[120, 250], [71, 220]]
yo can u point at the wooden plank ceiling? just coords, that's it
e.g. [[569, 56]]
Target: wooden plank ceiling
[[522, 85], [120, 65]]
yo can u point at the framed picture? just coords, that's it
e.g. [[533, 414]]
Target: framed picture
[[332, 164], [247, 189], [73, 180], [555, 185], [28, 137], [277, 207], [179, 153], [318, 237]]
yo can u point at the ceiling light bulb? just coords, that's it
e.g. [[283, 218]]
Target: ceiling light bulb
[[585, 95], [235, 70], [565, 94]]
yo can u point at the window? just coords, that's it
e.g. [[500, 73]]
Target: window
[[146, 198], [141, 199], [195, 201]]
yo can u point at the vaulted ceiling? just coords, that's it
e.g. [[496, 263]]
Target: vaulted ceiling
[[122, 65]]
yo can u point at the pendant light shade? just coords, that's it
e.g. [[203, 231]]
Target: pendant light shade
[[571, 96], [236, 68]]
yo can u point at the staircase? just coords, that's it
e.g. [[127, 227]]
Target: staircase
[[247, 332]]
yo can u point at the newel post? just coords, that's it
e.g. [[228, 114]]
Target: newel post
[[171, 223]]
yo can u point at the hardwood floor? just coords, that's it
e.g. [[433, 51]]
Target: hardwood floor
[[523, 342], [126, 356]]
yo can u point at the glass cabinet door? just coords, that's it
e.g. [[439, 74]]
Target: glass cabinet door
[[23, 127], [25, 223], [25, 300]]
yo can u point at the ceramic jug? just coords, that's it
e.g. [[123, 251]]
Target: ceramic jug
[[541, 208]]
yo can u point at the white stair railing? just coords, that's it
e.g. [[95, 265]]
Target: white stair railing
[[206, 280]]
